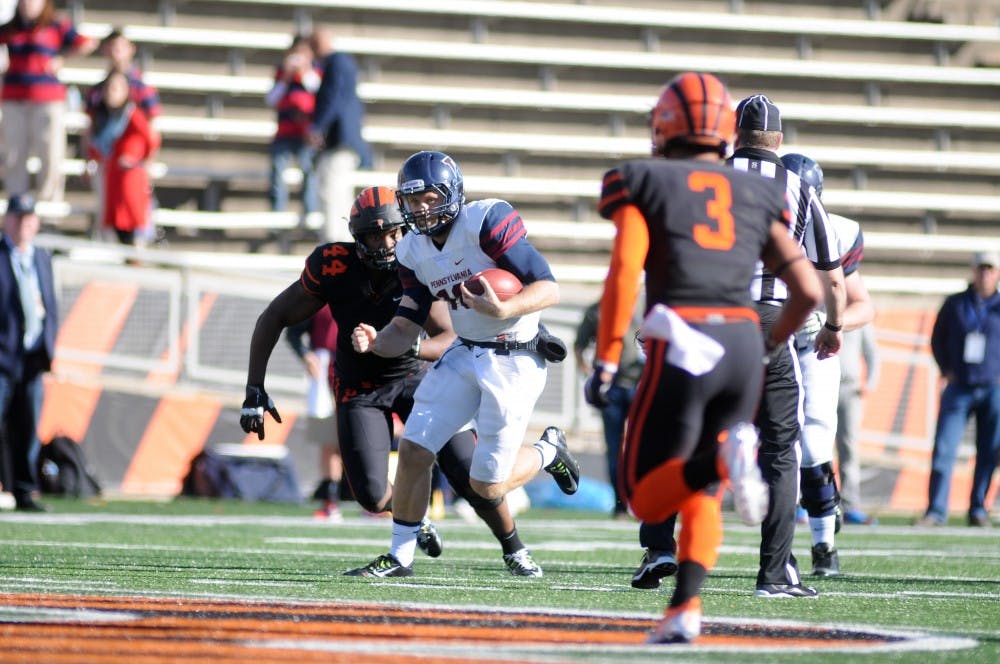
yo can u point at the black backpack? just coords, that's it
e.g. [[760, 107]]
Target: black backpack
[[63, 470]]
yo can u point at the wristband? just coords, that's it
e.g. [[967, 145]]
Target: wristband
[[833, 328]]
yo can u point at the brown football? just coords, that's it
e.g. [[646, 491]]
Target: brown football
[[504, 284]]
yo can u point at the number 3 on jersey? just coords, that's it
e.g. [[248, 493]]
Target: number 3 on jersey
[[718, 208]]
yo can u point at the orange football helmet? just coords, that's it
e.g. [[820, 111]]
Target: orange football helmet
[[693, 109]]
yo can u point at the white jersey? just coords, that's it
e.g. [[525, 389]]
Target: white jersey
[[462, 256], [811, 226]]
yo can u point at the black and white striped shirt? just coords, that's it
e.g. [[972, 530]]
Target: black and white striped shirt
[[811, 225]]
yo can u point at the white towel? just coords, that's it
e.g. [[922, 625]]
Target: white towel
[[690, 350]]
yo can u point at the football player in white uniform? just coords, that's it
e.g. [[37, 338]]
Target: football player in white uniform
[[495, 370], [821, 383]]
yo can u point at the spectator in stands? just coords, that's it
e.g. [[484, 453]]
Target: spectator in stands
[[336, 131], [121, 140], [28, 321], [33, 100], [966, 346], [859, 346], [314, 340], [293, 95], [119, 51]]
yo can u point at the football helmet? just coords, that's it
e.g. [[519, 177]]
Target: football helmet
[[375, 211], [431, 171], [805, 168], [694, 109]]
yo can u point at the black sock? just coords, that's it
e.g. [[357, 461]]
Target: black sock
[[511, 542], [690, 577]]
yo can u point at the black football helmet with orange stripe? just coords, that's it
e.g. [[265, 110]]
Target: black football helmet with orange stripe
[[375, 211], [694, 110]]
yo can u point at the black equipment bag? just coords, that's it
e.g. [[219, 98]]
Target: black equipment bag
[[63, 470], [226, 471]]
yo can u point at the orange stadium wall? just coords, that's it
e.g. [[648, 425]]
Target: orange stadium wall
[[141, 442]]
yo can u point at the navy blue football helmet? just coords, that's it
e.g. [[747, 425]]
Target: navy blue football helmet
[[805, 168], [431, 171]]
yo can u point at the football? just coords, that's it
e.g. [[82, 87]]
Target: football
[[504, 284]]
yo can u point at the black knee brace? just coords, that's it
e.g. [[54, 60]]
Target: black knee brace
[[820, 496]]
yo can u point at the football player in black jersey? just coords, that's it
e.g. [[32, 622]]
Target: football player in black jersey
[[697, 229], [359, 282]]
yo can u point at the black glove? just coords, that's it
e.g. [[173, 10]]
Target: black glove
[[595, 390], [254, 407]]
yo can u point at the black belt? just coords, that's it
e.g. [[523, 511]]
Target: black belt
[[545, 344], [503, 347]]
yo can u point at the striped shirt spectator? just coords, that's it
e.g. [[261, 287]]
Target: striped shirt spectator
[[33, 98], [34, 49], [293, 96]]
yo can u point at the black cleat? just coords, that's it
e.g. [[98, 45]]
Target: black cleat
[[564, 469], [654, 566], [383, 566], [429, 540], [826, 562], [784, 590]]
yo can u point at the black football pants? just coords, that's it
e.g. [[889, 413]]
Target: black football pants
[[778, 421]]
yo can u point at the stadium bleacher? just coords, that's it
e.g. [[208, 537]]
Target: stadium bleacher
[[536, 99]]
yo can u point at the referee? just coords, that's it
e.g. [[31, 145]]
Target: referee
[[758, 138]]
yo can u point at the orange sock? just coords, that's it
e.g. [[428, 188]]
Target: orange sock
[[701, 530], [661, 492]]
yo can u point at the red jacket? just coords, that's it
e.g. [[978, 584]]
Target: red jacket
[[127, 191]]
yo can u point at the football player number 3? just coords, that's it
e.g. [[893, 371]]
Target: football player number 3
[[722, 234]]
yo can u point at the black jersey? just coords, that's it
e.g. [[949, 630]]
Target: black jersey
[[707, 227], [357, 294]]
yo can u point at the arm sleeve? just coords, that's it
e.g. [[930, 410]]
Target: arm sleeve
[[621, 288], [850, 260], [504, 238], [940, 336], [418, 292], [586, 331]]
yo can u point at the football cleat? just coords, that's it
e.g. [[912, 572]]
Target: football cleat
[[680, 624], [429, 540], [383, 566], [520, 563], [738, 449], [564, 469], [826, 562], [654, 566], [782, 590]]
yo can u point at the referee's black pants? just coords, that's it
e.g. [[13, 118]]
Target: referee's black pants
[[778, 421]]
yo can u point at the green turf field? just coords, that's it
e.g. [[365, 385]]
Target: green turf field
[[945, 581]]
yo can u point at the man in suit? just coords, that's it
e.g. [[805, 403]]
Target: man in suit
[[28, 322]]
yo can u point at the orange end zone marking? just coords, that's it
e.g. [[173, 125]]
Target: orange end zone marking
[[144, 629]]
